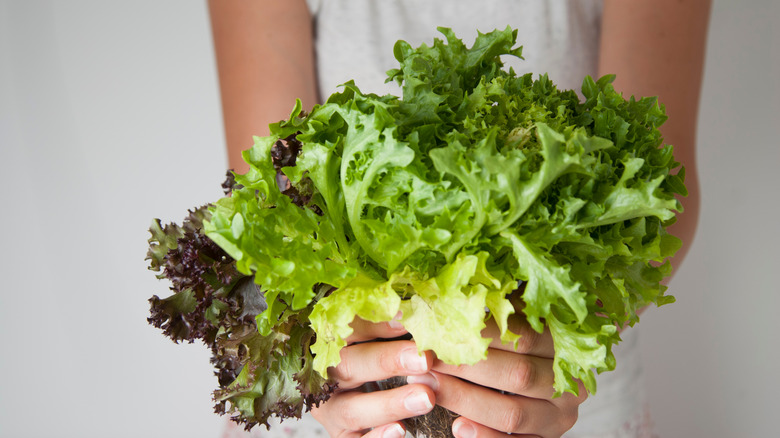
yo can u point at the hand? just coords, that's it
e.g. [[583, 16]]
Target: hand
[[351, 413], [525, 374]]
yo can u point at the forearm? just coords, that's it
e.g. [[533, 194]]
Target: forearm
[[265, 60], [656, 48]]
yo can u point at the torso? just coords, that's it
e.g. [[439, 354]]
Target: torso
[[354, 40]]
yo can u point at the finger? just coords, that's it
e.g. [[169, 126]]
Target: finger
[[465, 428], [568, 401], [392, 430], [354, 411], [530, 342], [521, 374], [373, 361], [367, 330], [502, 412]]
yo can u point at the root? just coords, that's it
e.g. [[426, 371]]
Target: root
[[434, 424]]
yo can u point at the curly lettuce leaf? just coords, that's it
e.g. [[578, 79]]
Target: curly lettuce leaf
[[475, 195], [331, 317]]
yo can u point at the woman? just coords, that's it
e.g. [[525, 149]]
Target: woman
[[271, 52]]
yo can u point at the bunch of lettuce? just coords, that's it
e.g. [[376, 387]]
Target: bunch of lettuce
[[476, 189]]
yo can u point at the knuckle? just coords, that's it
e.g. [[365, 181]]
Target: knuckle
[[459, 399], [513, 419], [568, 419], [348, 419], [574, 400], [528, 341], [521, 374], [343, 371]]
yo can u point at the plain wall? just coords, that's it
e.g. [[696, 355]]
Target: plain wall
[[712, 358], [109, 117]]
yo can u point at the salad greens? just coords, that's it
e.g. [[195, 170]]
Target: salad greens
[[475, 189]]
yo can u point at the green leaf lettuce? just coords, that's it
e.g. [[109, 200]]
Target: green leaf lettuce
[[476, 189]]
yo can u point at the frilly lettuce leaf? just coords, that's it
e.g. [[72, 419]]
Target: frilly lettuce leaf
[[472, 166], [363, 297], [475, 186]]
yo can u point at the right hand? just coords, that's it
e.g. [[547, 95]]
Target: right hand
[[351, 413]]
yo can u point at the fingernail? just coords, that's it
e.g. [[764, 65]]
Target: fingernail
[[412, 362], [394, 431], [463, 429], [395, 323], [428, 380], [418, 403]]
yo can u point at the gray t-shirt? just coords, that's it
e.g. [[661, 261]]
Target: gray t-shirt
[[354, 39]]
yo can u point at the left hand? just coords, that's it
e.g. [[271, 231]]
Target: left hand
[[525, 375], [350, 412]]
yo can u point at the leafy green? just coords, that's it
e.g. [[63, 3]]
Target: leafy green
[[475, 189], [259, 375]]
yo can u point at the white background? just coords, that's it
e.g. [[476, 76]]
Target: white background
[[109, 116]]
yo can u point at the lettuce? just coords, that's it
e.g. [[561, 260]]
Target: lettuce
[[476, 188]]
